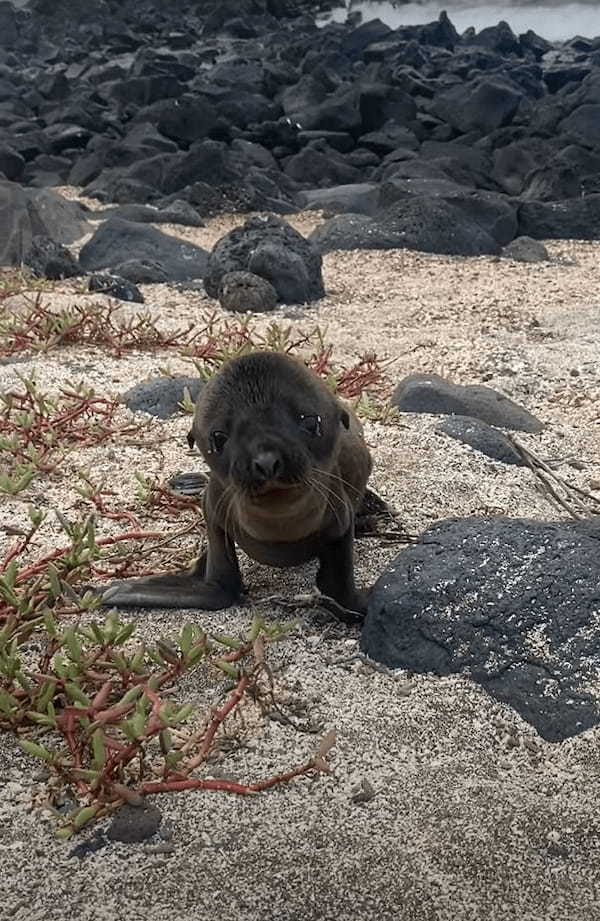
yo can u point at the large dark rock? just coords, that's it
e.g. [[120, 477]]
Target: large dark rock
[[500, 38], [15, 224], [353, 231], [271, 248], [56, 217], [12, 163], [325, 165], [380, 103], [177, 213], [578, 218], [357, 198], [583, 126], [556, 78], [25, 214], [338, 112], [430, 225], [483, 107], [435, 226], [389, 138], [184, 120], [141, 271], [429, 393], [510, 604], [493, 213], [552, 182], [117, 241], [48, 259], [513, 163]]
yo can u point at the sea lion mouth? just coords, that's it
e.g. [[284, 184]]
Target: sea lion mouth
[[273, 489]]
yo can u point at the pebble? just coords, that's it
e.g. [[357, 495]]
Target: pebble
[[164, 848], [132, 824]]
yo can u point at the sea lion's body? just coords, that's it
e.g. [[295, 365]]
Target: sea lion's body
[[288, 471]]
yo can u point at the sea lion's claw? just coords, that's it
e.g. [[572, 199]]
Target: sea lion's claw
[[178, 590]]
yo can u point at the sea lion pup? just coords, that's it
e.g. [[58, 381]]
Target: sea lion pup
[[288, 470]]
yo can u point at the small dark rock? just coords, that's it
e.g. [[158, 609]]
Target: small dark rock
[[526, 249], [142, 271], [364, 794], [161, 396], [429, 393], [482, 437], [133, 824], [115, 286], [271, 248], [48, 259], [93, 844], [188, 484], [242, 291]]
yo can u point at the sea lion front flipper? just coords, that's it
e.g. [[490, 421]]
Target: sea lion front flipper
[[175, 590], [213, 583], [335, 577]]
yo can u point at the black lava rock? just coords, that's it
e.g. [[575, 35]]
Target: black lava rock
[[511, 604], [271, 248], [48, 259], [357, 198], [525, 249], [12, 163], [429, 393], [117, 241], [224, 107], [141, 271], [483, 106], [29, 213], [430, 225], [115, 286], [243, 291], [133, 824], [577, 218], [161, 396], [179, 212], [482, 437], [353, 231]]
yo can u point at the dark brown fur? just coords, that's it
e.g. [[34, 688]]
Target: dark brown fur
[[288, 471]]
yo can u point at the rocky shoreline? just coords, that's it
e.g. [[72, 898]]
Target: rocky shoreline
[[416, 137]]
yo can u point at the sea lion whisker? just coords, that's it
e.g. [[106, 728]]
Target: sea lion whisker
[[326, 495], [339, 479]]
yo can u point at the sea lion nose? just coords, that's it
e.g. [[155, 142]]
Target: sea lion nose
[[266, 465]]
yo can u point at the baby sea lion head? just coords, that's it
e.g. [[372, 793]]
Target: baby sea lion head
[[265, 423]]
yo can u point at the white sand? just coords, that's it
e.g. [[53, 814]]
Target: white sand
[[466, 825]]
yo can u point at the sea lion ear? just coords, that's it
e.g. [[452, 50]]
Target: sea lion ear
[[345, 419], [190, 439]]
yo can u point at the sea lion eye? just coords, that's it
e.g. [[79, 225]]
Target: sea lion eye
[[217, 442], [312, 425]]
